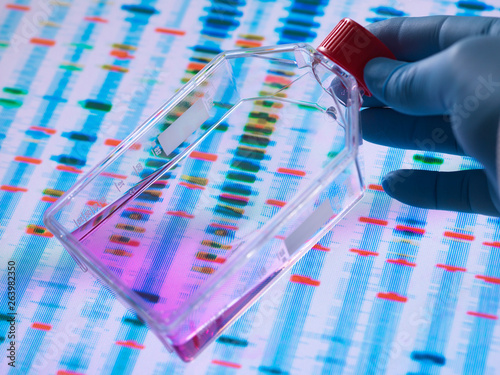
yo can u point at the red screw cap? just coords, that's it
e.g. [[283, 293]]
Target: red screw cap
[[351, 46]]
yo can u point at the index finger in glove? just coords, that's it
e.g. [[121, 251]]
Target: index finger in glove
[[415, 38]]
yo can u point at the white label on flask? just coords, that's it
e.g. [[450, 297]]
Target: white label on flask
[[184, 126], [309, 227]]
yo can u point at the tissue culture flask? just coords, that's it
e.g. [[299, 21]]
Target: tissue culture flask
[[204, 206]]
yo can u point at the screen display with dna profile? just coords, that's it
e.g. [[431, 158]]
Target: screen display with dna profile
[[391, 289]]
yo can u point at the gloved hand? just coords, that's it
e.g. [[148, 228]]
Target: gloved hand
[[444, 96]]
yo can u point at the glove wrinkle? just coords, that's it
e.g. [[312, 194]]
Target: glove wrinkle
[[441, 34], [492, 27]]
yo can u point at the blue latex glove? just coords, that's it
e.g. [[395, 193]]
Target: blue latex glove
[[444, 96]]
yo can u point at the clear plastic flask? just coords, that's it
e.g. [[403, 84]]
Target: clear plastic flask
[[204, 206]]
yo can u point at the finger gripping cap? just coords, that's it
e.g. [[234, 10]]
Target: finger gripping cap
[[351, 46]]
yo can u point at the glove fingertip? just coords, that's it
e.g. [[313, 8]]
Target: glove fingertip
[[388, 183], [376, 75], [402, 186]]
